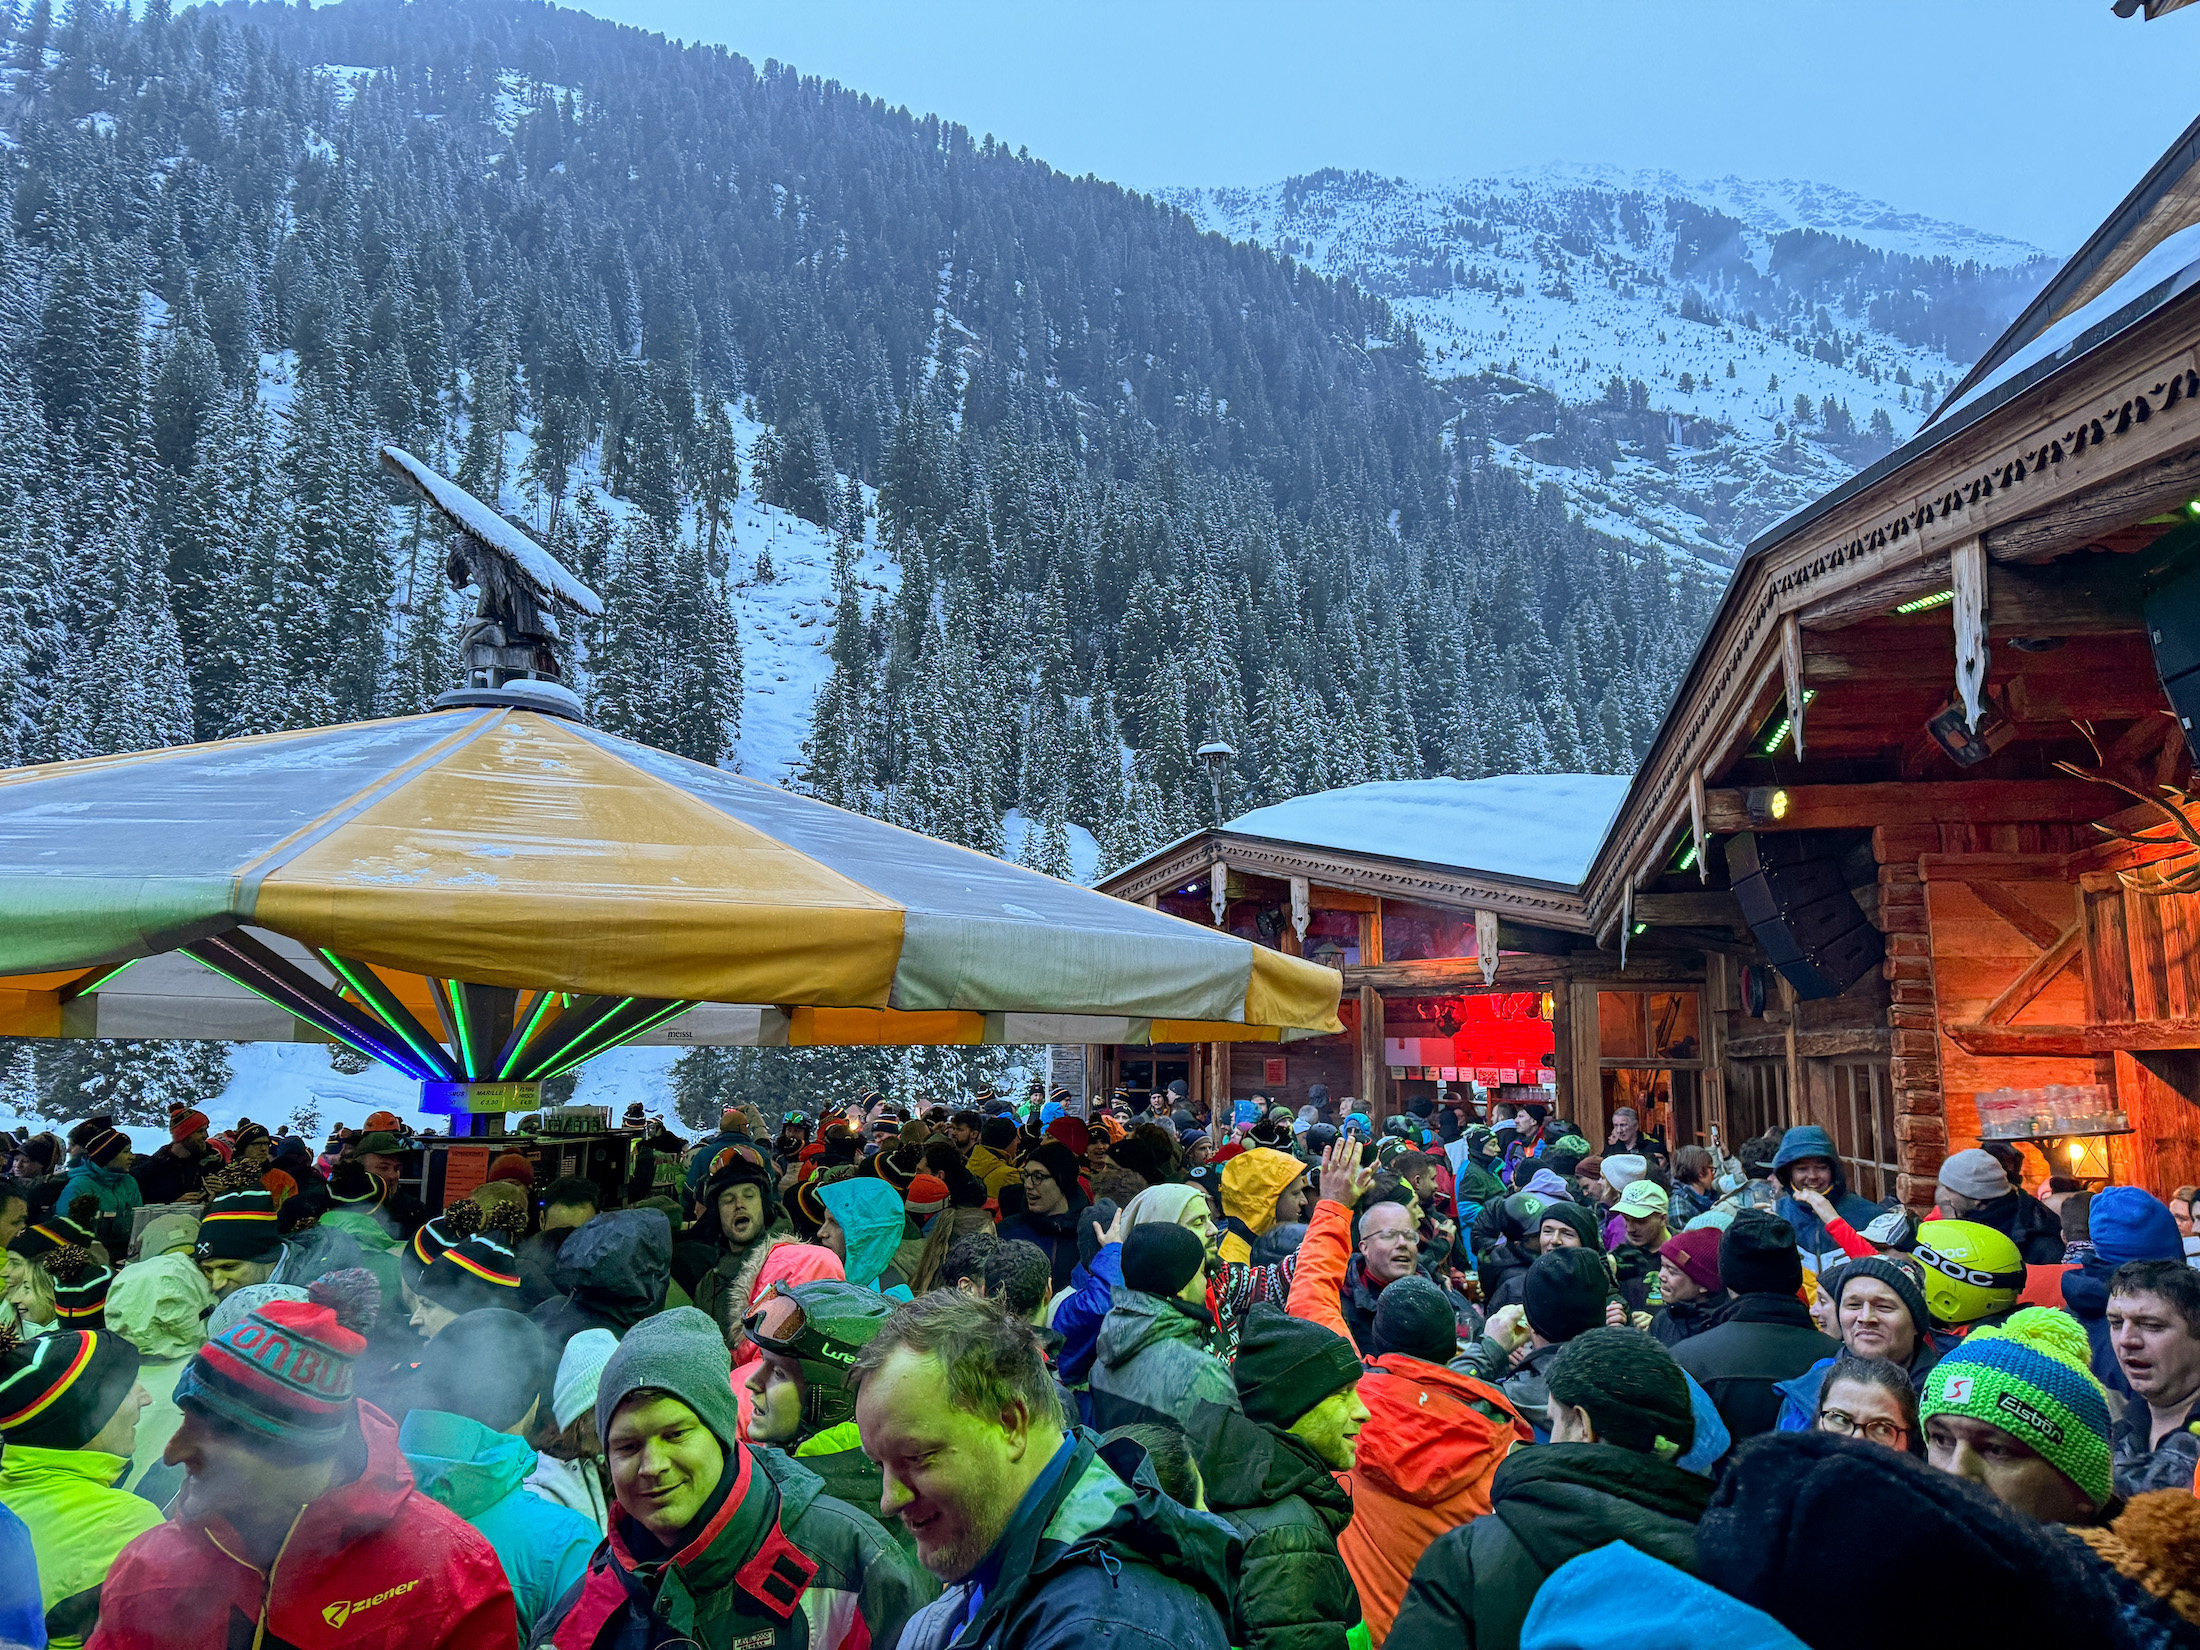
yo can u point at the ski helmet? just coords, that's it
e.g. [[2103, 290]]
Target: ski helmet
[[821, 1326], [1971, 1271]]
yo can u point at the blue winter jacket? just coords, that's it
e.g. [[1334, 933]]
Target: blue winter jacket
[[1816, 1244], [1578, 1608], [2085, 1297], [22, 1608], [1077, 1320], [481, 1476]]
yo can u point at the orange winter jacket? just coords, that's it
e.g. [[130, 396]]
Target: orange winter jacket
[[1431, 1444]]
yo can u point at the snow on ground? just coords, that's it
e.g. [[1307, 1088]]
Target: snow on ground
[[1084, 847], [1544, 826]]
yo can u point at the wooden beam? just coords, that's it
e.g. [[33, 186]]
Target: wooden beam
[[2086, 595], [1951, 802], [2006, 867], [1997, 898], [1709, 908], [2148, 490], [1374, 1075], [2076, 1042], [2038, 974]]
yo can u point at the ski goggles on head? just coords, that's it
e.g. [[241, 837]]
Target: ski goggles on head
[[801, 1117], [1975, 1276], [777, 1323], [727, 1158]]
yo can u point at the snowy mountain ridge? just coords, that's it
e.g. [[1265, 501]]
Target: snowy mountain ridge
[[1687, 362]]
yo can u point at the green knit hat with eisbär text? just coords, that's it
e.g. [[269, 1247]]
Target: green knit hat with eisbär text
[[2030, 1377]]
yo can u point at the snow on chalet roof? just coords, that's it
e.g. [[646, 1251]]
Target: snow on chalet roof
[[542, 569], [1537, 827]]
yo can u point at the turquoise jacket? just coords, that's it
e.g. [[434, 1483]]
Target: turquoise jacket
[[116, 1190], [481, 1476]]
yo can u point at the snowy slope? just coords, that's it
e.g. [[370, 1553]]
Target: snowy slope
[[1531, 292]]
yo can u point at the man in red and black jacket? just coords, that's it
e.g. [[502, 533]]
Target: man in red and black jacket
[[711, 1542]]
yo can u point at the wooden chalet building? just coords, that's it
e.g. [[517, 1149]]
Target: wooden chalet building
[[1912, 853]]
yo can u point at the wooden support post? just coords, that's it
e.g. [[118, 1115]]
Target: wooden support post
[[1374, 1074], [1584, 1106], [1218, 1063], [1720, 977]]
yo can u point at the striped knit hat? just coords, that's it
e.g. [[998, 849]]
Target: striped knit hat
[[56, 1231], [478, 1271], [239, 1223], [104, 1147], [80, 1286], [284, 1373], [57, 1390], [2029, 1377]]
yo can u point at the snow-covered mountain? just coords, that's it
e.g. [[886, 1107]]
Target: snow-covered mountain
[[1686, 361]]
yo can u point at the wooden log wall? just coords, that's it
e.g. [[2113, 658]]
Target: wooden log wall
[[1920, 1115]]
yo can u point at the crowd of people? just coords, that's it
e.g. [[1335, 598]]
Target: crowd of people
[[1000, 1374]]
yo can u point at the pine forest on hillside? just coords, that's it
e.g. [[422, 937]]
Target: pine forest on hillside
[[1141, 487]]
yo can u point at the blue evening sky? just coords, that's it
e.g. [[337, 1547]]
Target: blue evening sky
[[2030, 118]]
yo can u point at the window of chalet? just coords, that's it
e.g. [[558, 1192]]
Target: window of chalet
[[1418, 933], [1333, 938], [1863, 1127]]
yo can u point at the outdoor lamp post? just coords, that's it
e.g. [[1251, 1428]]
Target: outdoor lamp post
[[1215, 754]]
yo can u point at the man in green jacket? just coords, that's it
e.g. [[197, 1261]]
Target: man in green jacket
[[1620, 1417], [69, 1407], [1269, 1472]]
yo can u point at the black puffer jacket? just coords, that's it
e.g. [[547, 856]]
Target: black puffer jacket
[[2031, 1225], [1762, 1341], [1683, 1319], [1472, 1588], [1293, 1592]]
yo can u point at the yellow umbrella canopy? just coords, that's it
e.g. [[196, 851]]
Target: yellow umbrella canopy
[[497, 891]]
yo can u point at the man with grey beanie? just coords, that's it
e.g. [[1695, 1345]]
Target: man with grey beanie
[[710, 1541]]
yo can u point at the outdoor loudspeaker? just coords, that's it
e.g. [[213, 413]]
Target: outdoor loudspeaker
[[2173, 626], [1797, 902]]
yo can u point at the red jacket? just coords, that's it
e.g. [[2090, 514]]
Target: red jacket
[[371, 1565], [1432, 1442]]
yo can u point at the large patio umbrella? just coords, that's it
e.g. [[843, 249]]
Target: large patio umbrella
[[497, 891]]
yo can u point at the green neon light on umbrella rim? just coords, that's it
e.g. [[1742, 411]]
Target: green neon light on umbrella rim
[[568, 1063], [542, 1004], [582, 1044], [366, 997], [456, 993]]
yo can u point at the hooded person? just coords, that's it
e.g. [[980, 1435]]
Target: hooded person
[[1254, 1184], [282, 1460], [1807, 1160], [569, 1464], [993, 1159], [1054, 1197], [69, 1408], [1621, 1417], [481, 1387], [1766, 1336], [610, 1274], [1154, 1360], [807, 1337], [1434, 1434], [863, 1226], [1268, 1470], [160, 1306], [711, 1542], [736, 1214]]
